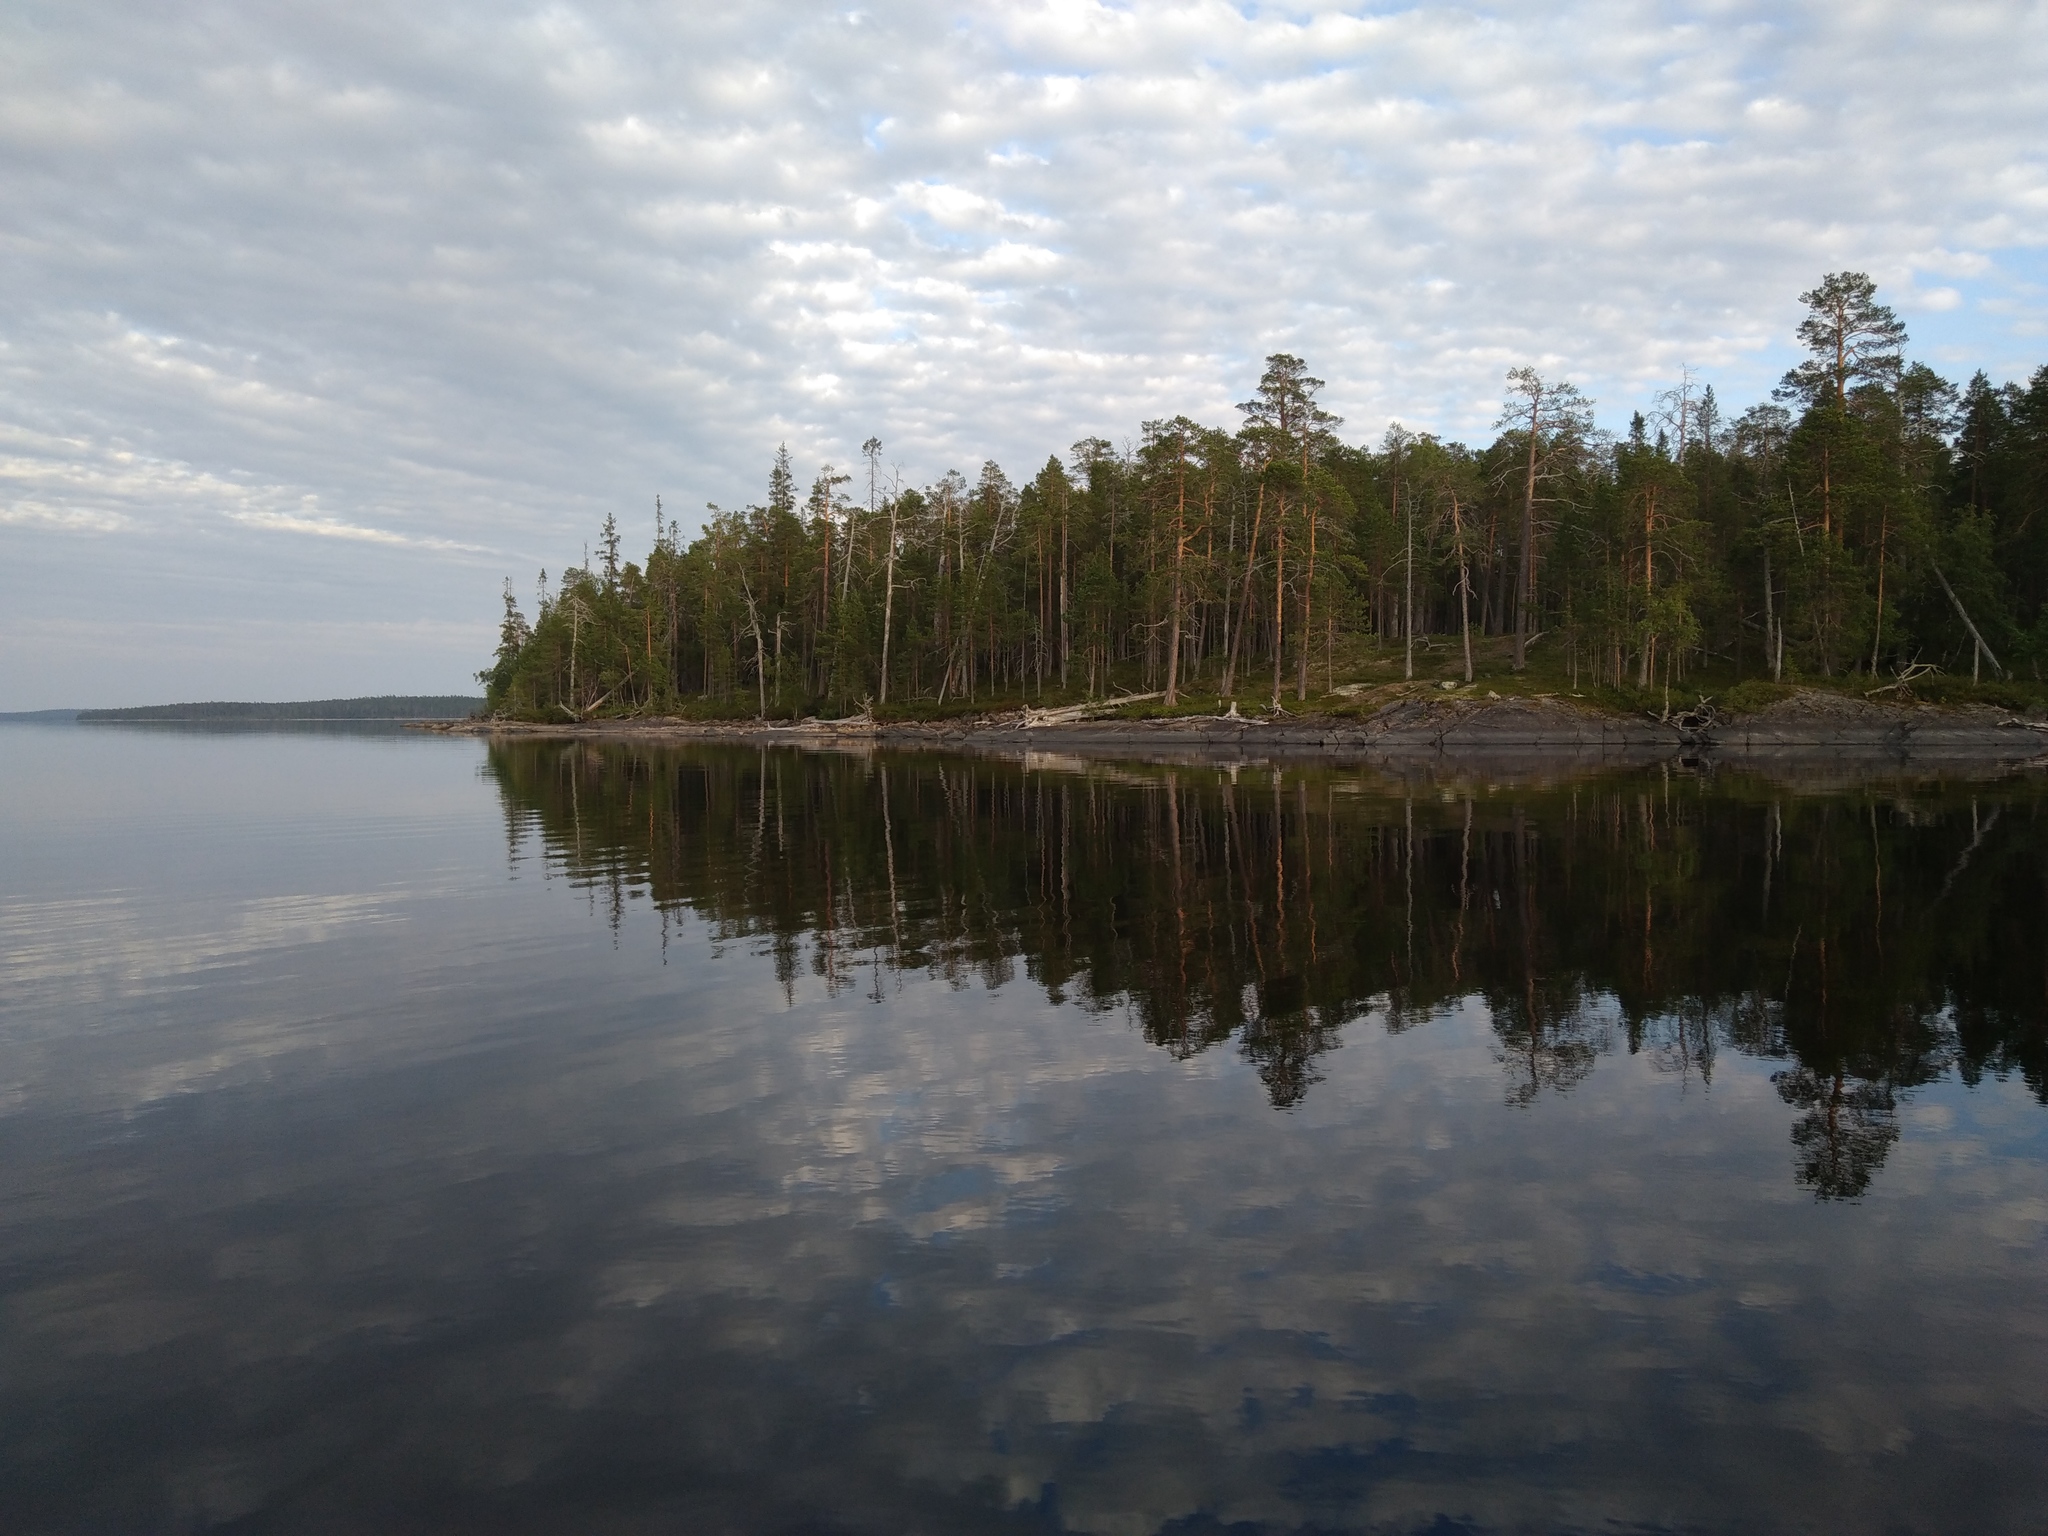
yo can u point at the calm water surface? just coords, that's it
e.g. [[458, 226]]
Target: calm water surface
[[414, 1135]]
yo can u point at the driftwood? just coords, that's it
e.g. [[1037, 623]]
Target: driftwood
[[1696, 721], [864, 721], [1907, 676], [1070, 714]]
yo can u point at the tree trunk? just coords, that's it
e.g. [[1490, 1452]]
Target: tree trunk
[[888, 604], [1772, 653], [1525, 578], [1173, 627], [1066, 635], [1649, 582], [1308, 588], [1407, 590], [1244, 612], [846, 564], [1279, 596], [1464, 587], [1963, 614]]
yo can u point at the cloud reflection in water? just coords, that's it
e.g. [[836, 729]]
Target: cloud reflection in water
[[935, 1180]]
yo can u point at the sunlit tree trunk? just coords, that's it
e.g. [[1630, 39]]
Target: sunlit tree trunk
[[889, 602], [1308, 587], [1408, 591], [1525, 575], [1251, 551], [1464, 586], [1180, 545], [1279, 597]]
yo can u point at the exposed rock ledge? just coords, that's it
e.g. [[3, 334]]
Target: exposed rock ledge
[[1811, 726]]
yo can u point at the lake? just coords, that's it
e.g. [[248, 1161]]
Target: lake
[[423, 1134]]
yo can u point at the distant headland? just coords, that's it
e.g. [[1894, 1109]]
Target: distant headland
[[382, 706]]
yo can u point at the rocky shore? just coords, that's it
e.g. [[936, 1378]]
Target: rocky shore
[[1811, 727]]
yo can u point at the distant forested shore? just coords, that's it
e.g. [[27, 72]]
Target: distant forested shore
[[386, 706], [1872, 526]]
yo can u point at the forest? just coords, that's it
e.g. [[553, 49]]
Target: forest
[[1871, 526]]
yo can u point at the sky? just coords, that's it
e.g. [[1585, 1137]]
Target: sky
[[319, 322]]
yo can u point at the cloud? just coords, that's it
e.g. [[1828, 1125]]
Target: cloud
[[333, 528], [127, 959], [477, 277]]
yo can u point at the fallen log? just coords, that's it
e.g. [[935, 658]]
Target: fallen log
[[1964, 614], [1070, 714]]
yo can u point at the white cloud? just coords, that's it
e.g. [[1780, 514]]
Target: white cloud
[[334, 528], [472, 279]]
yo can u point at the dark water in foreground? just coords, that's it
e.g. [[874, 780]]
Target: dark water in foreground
[[405, 1135]]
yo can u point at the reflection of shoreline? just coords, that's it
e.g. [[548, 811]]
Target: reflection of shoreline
[[1266, 910]]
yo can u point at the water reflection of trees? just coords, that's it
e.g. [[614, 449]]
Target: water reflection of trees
[[1869, 941]]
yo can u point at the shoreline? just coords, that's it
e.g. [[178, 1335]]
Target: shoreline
[[1809, 727]]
